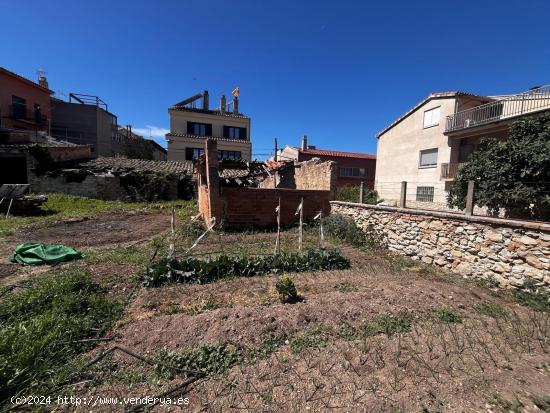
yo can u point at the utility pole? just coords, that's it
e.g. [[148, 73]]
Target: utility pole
[[276, 149]]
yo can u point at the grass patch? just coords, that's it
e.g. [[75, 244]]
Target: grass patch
[[388, 324], [201, 271], [542, 402], [209, 305], [40, 328], [314, 338], [447, 315], [346, 288], [490, 310], [537, 300], [122, 255]]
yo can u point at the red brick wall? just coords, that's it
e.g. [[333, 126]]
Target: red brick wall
[[256, 206], [368, 164]]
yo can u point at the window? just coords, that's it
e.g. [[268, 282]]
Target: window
[[19, 107], [199, 129], [428, 158], [353, 172], [232, 155], [425, 193], [233, 132], [431, 117], [193, 153]]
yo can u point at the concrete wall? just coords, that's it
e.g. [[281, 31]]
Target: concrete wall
[[508, 252]]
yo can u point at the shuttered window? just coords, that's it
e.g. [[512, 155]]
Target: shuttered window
[[428, 158], [431, 117]]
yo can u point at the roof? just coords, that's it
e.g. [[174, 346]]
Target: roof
[[209, 112], [25, 80], [337, 154], [121, 165], [435, 95]]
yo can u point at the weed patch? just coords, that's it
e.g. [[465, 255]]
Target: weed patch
[[447, 315], [388, 324], [314, 339], [490, 310], [537, 300], [41, 329]]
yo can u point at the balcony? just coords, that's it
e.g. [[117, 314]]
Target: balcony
[[509, 107], [450, 170], [20, 112]]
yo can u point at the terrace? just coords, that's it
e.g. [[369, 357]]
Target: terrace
[[502, 109]]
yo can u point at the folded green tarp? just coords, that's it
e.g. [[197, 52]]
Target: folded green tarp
[[31, 253]]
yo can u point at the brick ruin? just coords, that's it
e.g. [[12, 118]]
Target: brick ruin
[[314, 182]]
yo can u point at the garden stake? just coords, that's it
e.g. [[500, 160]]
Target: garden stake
[[319, 216], [212, 224], [171, 247], [278, 240], [300, 210]]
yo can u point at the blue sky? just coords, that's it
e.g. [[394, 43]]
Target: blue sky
[[338, 71]]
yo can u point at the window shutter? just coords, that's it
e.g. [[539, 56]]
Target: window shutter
[[208, 129], [190, 129], [242, 133], [226, 131]]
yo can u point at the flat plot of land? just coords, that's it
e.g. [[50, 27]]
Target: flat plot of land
[[385, 335]]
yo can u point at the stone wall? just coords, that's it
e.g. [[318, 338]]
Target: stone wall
[[509, 252], [100, 186]]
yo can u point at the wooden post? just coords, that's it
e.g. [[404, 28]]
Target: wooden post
[[361, 192], [403, 199], [301, 232], [470, 199]]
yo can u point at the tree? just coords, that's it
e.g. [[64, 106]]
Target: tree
[[512, 174]]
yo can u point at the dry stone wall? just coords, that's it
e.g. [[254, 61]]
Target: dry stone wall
[[512, 253]]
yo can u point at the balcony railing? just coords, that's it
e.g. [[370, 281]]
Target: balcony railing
[[21, 112], [450, 170], [516, 105]]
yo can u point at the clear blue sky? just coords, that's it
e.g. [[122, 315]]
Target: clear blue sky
[[338, 71]]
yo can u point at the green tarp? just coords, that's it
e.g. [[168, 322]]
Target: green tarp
[[31, 253]]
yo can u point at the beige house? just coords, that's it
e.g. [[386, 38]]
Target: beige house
[[192, 121], [428, 145]]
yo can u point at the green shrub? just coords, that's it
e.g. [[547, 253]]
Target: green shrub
[[537, 299], [343, 228], [40, 329], [286, 290], [201, 271], [350, 193]]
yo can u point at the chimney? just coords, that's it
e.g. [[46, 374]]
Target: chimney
[[304, 143], [205, 102], [42, 81], [223, 104], [236, 105]]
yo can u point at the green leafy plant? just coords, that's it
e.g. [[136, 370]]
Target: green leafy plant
[[491, 310], [201, 271], [286, 290], [42, 328], [209, 358], [512, 174], [343, 228], [537, 299], [388, 324], [447, 315]]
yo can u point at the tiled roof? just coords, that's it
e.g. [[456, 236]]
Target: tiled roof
[[24, 79], [339, 154], [209, 112], [121, 165], [435, 95], [203, 138]]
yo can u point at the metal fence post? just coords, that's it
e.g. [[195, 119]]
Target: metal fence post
[[403, 199], [470, 199], [361, 192]]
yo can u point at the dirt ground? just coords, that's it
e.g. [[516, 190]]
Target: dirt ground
[[480, 362]]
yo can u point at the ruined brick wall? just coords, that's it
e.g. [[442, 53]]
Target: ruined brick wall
[[506, 251], [256, 206], [67, 153]]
